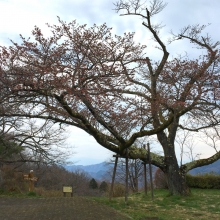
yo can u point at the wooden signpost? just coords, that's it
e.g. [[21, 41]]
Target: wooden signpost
[[31, 178]]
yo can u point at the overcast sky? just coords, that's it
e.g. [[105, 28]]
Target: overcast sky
[[20, 16]]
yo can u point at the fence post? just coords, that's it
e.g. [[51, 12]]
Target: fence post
[[113, 177], [145, 174], [150, 169], [126, 178]]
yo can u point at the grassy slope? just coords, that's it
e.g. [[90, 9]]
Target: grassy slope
[[202, 204]]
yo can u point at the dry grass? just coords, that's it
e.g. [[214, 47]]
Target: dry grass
[[203, 204], [48, 193]]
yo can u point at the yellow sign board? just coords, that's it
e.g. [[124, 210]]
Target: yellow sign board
[[67, 189]]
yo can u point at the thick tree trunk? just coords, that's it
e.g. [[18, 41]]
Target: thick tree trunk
[[175, 177]]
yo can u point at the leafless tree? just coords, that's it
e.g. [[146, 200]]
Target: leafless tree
[[211, 137], [27, 140], [135, 172]]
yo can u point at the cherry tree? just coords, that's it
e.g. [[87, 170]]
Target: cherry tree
[[107, 86], [180, 87]]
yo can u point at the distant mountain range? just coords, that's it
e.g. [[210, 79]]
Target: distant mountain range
[[96, 171], [99, 171], [214, 167]]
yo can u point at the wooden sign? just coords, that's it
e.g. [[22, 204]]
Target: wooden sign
[[26, 177], [31, 178], [67, 189]]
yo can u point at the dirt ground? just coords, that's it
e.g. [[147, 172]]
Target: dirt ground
[[75, 208]]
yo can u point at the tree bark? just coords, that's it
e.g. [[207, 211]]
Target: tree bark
[[176, 177], [175, 174], [135, 176]]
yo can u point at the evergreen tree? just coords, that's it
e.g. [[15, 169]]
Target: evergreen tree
[[93, 184], [103, 186]]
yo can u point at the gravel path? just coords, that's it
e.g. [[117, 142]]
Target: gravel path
[[75, 208]]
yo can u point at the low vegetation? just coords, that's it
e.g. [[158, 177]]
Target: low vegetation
[[202, 204], [205, 181]]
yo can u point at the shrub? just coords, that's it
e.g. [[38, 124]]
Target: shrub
[[205, 181], [93, 184], [118, 190], [12, 180], [103, 186]]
